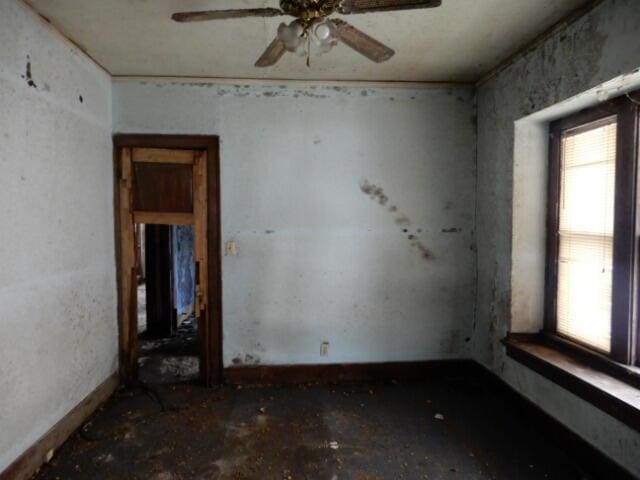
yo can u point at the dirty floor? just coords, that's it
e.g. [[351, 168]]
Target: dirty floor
[[170, 360], [448, 427]]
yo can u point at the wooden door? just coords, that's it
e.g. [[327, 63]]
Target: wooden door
[[161, 186]]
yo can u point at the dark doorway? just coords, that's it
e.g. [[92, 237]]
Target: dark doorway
[[161, 314], [167, 328], [168, 190]]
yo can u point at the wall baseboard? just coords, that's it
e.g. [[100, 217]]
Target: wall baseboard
[[35, 456], [343, 372]]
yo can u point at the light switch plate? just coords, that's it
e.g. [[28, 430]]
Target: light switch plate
[[231, 248]]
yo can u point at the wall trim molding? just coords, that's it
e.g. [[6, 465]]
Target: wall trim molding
[[37, 454], [339, 372], [276, 82]]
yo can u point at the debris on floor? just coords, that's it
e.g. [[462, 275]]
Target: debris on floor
[[315, 432], [170, 360]]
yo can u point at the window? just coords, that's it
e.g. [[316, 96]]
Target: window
[[592, 258]]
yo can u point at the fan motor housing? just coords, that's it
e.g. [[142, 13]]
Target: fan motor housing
[[309, 11]]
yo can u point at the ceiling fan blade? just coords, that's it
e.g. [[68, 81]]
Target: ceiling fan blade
[[225, 14], [272, 54], [361, 42], [365, 6]]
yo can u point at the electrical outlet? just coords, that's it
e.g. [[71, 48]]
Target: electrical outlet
[[231, 248], [324, 349]]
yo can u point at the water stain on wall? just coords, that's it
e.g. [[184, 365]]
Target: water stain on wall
[[27, 75], [248, 360], [376, 193], [402, 220]]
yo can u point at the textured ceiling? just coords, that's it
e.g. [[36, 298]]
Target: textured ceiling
[[457, 42]]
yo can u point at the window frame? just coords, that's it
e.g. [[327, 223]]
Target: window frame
[[625, 341]]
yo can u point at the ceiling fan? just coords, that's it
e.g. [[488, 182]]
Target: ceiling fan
[[312, 24]]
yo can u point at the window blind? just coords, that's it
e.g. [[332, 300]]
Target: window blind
[[585, 254]]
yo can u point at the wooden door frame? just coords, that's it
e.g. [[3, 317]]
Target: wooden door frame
[[212, 344]]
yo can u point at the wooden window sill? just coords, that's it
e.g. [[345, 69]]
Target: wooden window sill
[[615, 392]]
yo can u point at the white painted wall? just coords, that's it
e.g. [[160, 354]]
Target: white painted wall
[[318, 260], [58, 337], [595, 49]]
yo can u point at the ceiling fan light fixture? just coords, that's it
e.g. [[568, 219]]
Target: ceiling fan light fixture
[[312, 25], [302, 50], [291, 35], [323, 36], [322, 32], [345, 7], [322, 49]]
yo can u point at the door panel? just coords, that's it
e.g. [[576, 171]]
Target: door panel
[[163, 187]]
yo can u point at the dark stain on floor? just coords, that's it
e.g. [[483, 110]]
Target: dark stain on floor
[[449, 427], [170, 360]]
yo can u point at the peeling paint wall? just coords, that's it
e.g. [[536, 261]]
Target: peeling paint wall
[[596, 48], [352, 211], [57, 282]]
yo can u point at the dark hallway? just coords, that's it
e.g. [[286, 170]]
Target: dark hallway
[[168, 342]]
